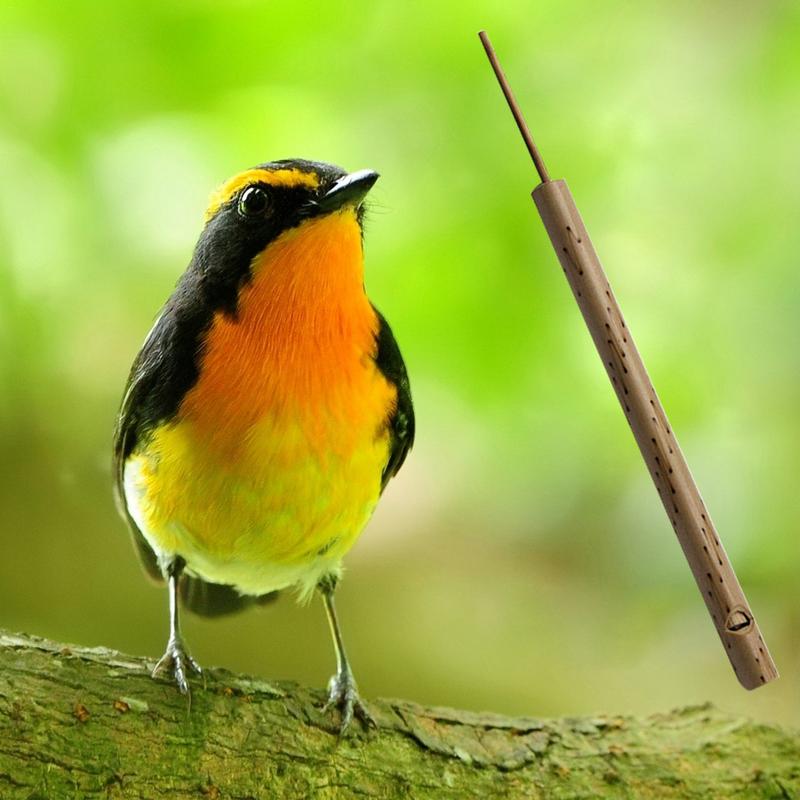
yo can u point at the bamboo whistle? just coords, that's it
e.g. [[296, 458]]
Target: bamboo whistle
[[723, 596]]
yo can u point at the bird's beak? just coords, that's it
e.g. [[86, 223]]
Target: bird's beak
[[349, 190]]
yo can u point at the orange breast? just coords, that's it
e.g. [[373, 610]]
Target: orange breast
[[300, 347]]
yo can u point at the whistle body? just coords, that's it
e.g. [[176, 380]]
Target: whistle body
[[679, 494]]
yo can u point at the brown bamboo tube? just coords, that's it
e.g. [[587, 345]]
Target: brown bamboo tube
[[696, 533], [723, 596]]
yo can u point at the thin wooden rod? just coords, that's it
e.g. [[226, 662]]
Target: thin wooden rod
[[680, 496], [514, 106]]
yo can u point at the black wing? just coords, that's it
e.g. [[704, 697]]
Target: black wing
[[401, 423], [127, 432], [164, 370]]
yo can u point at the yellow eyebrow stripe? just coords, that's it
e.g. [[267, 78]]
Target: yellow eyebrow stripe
[[271, 177]]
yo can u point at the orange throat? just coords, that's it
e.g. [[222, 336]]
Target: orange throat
[[301, 344]]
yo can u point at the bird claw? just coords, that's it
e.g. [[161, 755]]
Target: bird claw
[[179, 663], [343, 694]]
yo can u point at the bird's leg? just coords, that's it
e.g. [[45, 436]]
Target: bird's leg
[[342, 689], [176, 658]]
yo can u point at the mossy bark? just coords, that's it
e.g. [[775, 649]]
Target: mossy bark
[[92, 723]]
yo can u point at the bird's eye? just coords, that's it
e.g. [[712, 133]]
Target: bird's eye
[[253, 202]]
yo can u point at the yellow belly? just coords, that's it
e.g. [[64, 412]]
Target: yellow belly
[[276, 511]]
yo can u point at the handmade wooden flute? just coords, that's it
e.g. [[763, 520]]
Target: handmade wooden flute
[[679, 494]]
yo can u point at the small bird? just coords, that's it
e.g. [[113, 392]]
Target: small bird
[[267, 410]]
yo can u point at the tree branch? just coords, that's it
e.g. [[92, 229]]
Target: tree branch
[[92, 723]]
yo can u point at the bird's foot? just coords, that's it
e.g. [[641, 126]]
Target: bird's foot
[[343, 694], [177, 661]]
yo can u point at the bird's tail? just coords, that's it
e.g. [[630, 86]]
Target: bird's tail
[[216, 599]]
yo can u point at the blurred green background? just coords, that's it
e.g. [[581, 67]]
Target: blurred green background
[[521, 562]]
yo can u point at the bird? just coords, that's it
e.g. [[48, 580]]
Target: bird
[[266, 411]]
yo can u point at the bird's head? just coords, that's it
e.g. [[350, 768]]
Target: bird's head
[[284, 199], [259, 204]]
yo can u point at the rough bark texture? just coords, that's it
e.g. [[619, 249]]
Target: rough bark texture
[[92, 723]]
